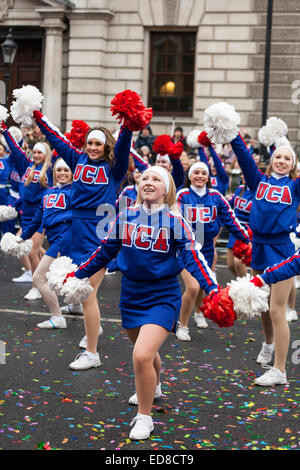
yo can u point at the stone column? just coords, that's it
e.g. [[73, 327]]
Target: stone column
[[87, 74], [53, 22]]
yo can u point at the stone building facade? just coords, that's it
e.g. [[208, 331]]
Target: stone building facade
[[92, 49]]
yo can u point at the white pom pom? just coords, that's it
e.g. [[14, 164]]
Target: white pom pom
[[278, 127], [76, 290], [27, 99], [295, 240], [249, 300], [58, 270], [192, 139], [10, 246], [3, 113], [221, 123], [265, 136], [282, 141], [7, 213]]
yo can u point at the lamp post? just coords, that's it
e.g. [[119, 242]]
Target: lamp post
[[9, 49]]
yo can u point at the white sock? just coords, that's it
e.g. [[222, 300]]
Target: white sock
[[92, 355], [28, 272]]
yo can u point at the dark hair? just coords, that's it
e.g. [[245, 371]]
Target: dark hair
[[178, 128]]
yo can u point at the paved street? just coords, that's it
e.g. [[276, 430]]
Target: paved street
[[209, 400]]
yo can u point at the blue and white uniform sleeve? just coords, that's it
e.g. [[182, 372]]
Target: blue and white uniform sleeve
[[229, 219], [192, 257], [139, 162], [108, 250], [18, 156], [203, 157], [283, 270], [122, 150], [247, 163], [177, 173], [221, 172], [61, 144]]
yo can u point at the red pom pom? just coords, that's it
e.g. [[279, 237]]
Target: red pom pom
[[176, 150], [219, 308], [37, 115], [54, 154], [242, 251], [77, 133], [203, 139], [162, 144], [129, 109]]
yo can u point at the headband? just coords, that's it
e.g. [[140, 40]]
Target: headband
[[96, 134], [290, 149], [198, 165], [163, 173], [164, 157], [41, 147], [60, 163]]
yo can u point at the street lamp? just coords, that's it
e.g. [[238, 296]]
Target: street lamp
[[9, 49]]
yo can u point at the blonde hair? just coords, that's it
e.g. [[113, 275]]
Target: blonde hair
[[109, 153], [170, 198], [43, 173], [56, 164]]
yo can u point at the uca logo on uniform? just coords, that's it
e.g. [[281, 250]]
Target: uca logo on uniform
[[272, 193], [90, 174]]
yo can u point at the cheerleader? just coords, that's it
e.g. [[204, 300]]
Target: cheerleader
[[97, 170], [273, 217], [241, 203], [55, 215], [276, 275], [205, 209], [36, 177], [5, 170], [148, 236]]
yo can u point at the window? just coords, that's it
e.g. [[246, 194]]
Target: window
[[172, 63]]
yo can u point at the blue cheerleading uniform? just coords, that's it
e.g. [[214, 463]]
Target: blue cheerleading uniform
[[273, 214], [241, 203], [94, 188], [148, 243], [220, 182], [55, 215], [33, 193], [206, 214], [5, 169]]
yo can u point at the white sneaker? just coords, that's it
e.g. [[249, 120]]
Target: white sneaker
[[83, 342], [25, 277], [143, 426], [182, 333], [200, 320], [291, 315], [273, 376], [33, 294], [266, 353], [108, 273], [56, 321], [85, 360], [133, 400], [72, 308]]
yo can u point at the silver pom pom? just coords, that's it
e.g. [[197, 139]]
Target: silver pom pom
[[76, 290], [7, 213], [58, 270], [13, 246], [192, 139], [3, 113]]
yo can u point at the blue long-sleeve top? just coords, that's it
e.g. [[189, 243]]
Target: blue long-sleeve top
[[178, 173], [127, 198], [274, 207], [5, 169], [148, 243], [94, 182], [32, 193], [241, 203], [208, 212], [220, 182], [55, 208]]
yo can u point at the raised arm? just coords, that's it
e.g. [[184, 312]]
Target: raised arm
[[61, 144], [221, 172], [247, 163], [17, 156]]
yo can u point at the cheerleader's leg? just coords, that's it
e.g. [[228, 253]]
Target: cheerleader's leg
[[40, 281], [91, 313], [278, 303]]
